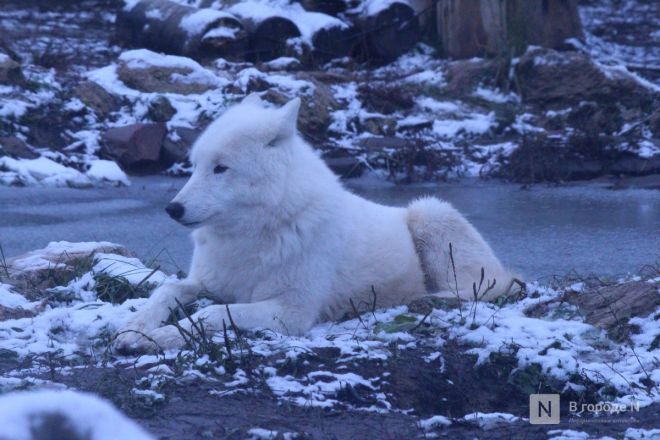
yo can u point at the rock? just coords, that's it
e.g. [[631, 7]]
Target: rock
[[385, 142], [10, 71], [135, 147], [379, 125], [177, 145], [549, 77], [97, 98], [344, 164], [160, 109], [315, 112], [463, 77], [638, 182], [163, 79], [7, 313], [16, 148], [385, 100], [427, 303], [654, 123]]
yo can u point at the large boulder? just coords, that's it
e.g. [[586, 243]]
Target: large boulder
[[97, 98], [550, 78], [316, 110], [176, 147], [169, 76], [160, 109], [16, 148], [10, 71], [136, 147]]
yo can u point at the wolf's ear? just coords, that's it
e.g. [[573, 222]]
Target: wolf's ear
[[254, 99], [289, 118]]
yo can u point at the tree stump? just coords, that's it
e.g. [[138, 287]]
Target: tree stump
[[469, 28]]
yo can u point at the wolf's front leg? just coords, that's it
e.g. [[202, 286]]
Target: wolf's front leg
[[151, 316], [273, 314]]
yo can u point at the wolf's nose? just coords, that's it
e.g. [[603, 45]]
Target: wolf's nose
[[175, 210]]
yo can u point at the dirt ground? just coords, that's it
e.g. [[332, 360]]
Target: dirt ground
[[197, 409]]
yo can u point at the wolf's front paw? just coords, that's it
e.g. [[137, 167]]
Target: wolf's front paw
[[166, 338], [132, 337]]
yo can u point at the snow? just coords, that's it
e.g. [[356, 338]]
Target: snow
[[144, 58], [199, 21], [307, 22], [89, 416], [107, 171], [434, 422], [221, 32], [51, 256], [567, 434], [132, 269], [495, 95], [262, 434], [641, 434], [13, 108], [282, 63], [488, 421], [473, 124], [44, 171], [11, 299]]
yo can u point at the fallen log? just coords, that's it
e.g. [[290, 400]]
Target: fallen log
[[330, 7], [335, 40], [271, 34], [289, 30], [172, 28], [387, 29]]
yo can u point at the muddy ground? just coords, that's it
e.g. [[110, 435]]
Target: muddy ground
[[193, 409]]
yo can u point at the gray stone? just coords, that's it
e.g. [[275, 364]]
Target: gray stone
[[427, 303], [547, 77], [316, 110], [135, 147], [160, 109], [344, 165], [159, 79], [16, 148], [177, 151], [10, 71], [97, 98], [384, 142]]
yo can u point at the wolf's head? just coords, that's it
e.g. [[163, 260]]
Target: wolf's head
[[241, 162]]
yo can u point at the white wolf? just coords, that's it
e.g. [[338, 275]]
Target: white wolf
[[278, 237]]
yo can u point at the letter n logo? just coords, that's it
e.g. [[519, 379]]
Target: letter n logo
[[544, 409]]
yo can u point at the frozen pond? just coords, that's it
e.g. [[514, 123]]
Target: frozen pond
[[538, 232]]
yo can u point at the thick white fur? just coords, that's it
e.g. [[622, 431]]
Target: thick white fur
[[279, 238]]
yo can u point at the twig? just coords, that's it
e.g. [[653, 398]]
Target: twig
[[357, 313]]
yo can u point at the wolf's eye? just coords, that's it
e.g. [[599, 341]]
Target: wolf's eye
[[219, 169]]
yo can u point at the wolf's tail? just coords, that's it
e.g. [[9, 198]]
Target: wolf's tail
[[453, 254]]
